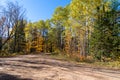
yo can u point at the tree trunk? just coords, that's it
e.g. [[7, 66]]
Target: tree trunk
[[0, 43], [14, 50]]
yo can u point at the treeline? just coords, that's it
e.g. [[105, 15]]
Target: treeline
[[81, 29], [12, 24]]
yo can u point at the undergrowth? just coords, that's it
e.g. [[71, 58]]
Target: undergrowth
[[88, 61]]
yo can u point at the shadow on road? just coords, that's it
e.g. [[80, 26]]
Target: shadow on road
[[4, 76]]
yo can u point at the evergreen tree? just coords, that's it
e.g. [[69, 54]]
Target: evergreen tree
[[105, 39]]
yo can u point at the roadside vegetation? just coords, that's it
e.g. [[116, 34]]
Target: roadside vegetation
[[81, 31]]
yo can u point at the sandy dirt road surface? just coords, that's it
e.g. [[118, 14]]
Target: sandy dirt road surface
[[38, 67]]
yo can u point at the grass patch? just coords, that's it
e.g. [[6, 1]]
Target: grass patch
[[2, 55], [7, 54], [60, 57], [88, 62], [64, 57], [111, 65]]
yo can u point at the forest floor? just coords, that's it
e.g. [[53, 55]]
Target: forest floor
[[39, 67]]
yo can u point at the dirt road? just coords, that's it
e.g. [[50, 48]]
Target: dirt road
[[37, 67]]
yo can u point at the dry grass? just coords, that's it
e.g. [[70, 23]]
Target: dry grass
[[88, 61]]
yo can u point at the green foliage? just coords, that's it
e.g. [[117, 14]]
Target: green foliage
[[105, 39], [111, 65], [4, 53], [17, 44], [59, 21], [80, 29]]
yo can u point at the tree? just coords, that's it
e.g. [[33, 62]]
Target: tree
[[2, 31], [37, 41], [28, 35], [105, 39], [81, 14], [47, 43], [59, 20], [13, 14], [20, 37], [43, 29]]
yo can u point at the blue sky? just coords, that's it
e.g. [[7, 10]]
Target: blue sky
[[39, 9]]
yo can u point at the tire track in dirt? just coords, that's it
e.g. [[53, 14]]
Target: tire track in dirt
[[38, 67]]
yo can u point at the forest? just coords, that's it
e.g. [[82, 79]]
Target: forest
[[81, 30]]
